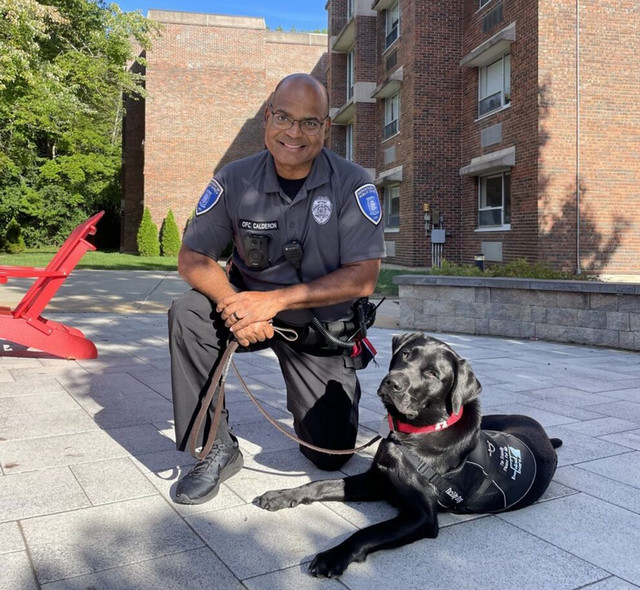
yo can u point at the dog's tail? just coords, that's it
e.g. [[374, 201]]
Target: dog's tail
[[556, 442]]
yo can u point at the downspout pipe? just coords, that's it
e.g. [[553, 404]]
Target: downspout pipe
[[578, 265]]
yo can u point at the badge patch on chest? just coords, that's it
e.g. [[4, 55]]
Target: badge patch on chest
[[321, 210], [210, 197], [369, 203]]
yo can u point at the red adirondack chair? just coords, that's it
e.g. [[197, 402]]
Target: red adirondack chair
[[24, 325]]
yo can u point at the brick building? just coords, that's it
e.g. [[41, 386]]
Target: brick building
[[479, 117], [207, 80]]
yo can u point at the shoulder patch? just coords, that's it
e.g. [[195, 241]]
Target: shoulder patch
[[210, 197], [369, 203]]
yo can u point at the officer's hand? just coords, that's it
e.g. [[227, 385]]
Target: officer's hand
[[242, 309], [258, 332]]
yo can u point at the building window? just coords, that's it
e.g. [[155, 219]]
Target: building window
[[494, 88], [351, 73], [392, 24], [391, 109], [391, 204], [483, 2], [348, 152], [495, 200], [350, 6]]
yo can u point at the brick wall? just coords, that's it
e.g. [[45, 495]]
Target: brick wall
[[337, 79], [207, 84], [542, 124], [519, 129], [608, 135], [363, 119], [428, 143], [365, 69], [440, 131], [437, 95], [409, 246], [557, 112], [185, 140], [365, 128]]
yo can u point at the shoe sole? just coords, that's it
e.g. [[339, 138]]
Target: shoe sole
[[227, 472]]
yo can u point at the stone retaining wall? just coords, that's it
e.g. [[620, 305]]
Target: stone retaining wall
[[584, 312]]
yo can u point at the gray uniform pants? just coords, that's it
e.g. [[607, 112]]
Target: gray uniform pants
[[322, 391]]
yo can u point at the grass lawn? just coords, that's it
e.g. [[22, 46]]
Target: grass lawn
[[117, 261], [94, 259], [385, 284]]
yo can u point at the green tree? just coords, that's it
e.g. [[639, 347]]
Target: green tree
[[13, 240], [169, 236], [147, 238], [64, 69]]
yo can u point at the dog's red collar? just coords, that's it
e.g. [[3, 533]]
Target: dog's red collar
[[397, 426]]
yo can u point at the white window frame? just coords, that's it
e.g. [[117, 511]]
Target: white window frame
[[350, 9], [348, 142], [351, 73], [503, 210], [484, 2], [489, 103], [391, 116], [391, 196], [391, 24]]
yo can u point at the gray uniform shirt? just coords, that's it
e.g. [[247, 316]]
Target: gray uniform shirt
[[336, 216]]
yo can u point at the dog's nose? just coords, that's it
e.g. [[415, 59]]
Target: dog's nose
[[395, 381]]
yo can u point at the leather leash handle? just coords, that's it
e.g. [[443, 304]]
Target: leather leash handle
[[217, 382]]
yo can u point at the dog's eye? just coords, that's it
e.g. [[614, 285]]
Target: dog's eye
[[429, 373], [406, 355]]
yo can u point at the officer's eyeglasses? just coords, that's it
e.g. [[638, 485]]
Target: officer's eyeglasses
[[307, 126]]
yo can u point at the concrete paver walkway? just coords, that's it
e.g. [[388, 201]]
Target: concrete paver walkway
[[88, 467]]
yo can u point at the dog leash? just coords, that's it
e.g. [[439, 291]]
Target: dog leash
[[293, 437], [217, 384]]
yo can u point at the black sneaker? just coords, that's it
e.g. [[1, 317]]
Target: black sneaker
[[202, 483]]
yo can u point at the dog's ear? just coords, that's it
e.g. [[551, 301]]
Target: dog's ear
[[399, 341], [466, 386]]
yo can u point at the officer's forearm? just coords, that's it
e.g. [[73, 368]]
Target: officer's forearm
[[348, 282], [204, 274]]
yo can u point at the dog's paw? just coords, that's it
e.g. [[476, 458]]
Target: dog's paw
[[330, 564], [276, 500]]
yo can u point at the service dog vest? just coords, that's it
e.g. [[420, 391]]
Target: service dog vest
[[496, 474]]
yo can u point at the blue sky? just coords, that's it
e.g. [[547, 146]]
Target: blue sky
[[304, 15]]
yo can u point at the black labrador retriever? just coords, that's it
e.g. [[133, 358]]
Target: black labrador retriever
[[439, 456]]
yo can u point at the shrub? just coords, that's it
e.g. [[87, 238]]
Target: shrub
[[169, 236], [457, 270], [13, 240], [519, 269], [186, 225], [147, 238]]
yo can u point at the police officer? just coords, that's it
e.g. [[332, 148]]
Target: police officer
[[295, 193]]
